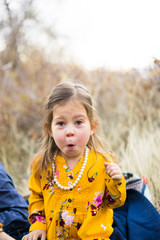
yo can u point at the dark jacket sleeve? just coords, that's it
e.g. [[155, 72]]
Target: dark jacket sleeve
[[13, 207]]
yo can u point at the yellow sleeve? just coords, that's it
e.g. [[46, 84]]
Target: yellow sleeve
[[1, 226], [115, 195], [36, 204]]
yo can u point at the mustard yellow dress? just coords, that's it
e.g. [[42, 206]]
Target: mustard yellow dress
[[82, 213]]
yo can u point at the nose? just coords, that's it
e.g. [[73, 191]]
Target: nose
[[70, 131]]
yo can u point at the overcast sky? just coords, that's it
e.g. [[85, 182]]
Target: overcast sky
[[117, 34]]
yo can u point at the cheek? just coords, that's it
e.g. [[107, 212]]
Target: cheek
[[59, 140], [56, 135], [84, 136]]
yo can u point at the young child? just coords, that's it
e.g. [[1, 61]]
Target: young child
[[73, 186]]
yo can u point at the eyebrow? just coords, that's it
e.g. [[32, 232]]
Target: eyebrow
[[76, 116], [79, 116]]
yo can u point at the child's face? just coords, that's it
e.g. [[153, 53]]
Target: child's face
[[71, 129]]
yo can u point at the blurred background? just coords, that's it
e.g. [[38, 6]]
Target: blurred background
[[113, 47]]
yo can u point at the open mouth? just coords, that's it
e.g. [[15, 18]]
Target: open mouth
[[70, 145]]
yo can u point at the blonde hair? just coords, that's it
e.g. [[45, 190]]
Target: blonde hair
[[60, 94]]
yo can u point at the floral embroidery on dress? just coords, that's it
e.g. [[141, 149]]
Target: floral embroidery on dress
[[111, 199], [50, 183], [95, 205], [69, 184], [70, 176], [37, 216], [91, 179], [57, 174], [65, 220], [97, 239], [104, 227], [107, 180], [68, 219], [67, 168], [98, 200]]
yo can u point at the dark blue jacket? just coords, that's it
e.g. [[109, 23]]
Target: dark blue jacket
[[13, 207], [137, 219]]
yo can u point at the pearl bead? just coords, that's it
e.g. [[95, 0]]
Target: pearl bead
[[79, 175]]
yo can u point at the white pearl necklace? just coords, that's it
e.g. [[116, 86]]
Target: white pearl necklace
[[79, 175]]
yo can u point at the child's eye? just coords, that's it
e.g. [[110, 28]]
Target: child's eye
[[78, 122], [60, 123]]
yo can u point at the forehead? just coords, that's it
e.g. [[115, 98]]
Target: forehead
[[70, 107]]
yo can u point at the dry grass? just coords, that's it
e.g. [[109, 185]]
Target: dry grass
[[128, 107], [141, 156]]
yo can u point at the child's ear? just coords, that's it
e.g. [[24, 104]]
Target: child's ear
[[47, 127], [94, 126]]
